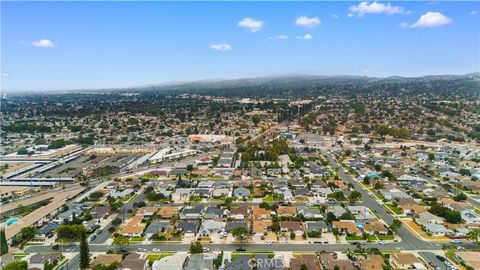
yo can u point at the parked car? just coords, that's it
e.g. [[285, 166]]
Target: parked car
[[241, 249]]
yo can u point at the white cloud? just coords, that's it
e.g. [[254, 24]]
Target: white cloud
[[5, 74], [280, 37], [307, 22], [43, 43], [403, 25], [251, 24], [431, 19], [335, 16], [305, 37], [375, 8], [350, 15], [221, 47], [473, 12]]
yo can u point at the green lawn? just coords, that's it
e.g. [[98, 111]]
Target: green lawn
[[394, 209], [137, 239], [151, 257], [354, 238], [235, 254]]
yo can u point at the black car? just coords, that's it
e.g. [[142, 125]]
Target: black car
[[241, 249], [441, 258]]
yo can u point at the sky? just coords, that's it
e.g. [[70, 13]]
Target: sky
[[88, 45]]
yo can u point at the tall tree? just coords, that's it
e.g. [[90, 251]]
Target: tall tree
[[3, 243], [84, 252]]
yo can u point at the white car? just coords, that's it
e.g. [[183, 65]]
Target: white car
[[268, 243], [383, 242], [206, 249], [156, 250], [142, 250]]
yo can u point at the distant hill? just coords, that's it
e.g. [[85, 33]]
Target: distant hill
[[310, 85]]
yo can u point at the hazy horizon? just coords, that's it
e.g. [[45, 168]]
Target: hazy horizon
[[65, 46]]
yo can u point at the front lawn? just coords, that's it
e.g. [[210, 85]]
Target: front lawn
[[151, 257]]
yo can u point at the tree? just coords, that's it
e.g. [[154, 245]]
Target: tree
[[70, 232], [28, 233], [3, 242], [256, 119], [196, 247], [355, 196], [84, 251], [336, 267], [112, 266], [431, 156], [473, 236], [396, 224], [16, 265], [460, 197], [292, 235], [303, 267], [121, 242], [240, 233], [48, 266]]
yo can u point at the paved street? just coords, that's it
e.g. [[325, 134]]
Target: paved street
[[409, 241], [430, 257]]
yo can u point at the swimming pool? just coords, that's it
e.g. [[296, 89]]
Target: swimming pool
[[10, 222]]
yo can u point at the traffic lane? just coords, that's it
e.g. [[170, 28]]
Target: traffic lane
[[105, 234], [408, 239], [430, 257], [229, 247]]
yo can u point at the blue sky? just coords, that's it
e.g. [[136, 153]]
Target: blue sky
[[79, 45]]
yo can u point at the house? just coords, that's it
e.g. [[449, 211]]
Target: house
[[286, 211], [292, 226], [375, 227], [316, 227], [202, 193], [199, 262], [404, 260], [133, 261], [100, 211], [173, 262], [181, 194], [221, 193], [361, 212], [260, 213], [345, 226], [241, 192], [48, 230], [157, 227], [68, 215], [260, 227], [38, 260], [241, 262], [147, 211], [231, 225], [372, 262], [309, 213], [106, 259], [412, 209], [192, 212], [213, 212], [337, 210], [210, 227], [309, 260], [330, 261], [133, 228], [240, 213], [435, 229], [471, 258], [188, 227], [470, 217], [428, 218], [121, 194], [167, 212]]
